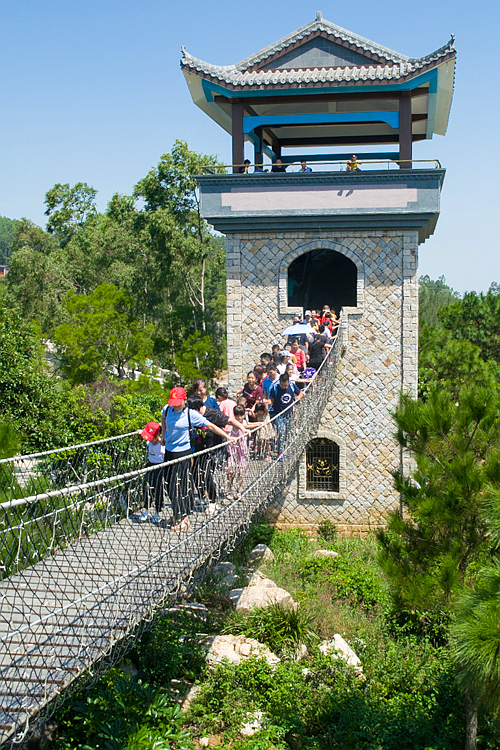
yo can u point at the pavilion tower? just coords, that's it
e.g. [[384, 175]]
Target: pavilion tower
[[349, 239]]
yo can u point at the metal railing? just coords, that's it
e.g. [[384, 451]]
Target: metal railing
[[329, 165]]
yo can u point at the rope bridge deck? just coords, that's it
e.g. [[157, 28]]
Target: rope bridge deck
[[81, 571]]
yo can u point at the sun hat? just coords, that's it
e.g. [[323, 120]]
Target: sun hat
[[150, 431], [284, 353], [177, 396]]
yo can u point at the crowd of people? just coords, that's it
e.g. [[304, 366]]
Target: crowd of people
[[250, 426]]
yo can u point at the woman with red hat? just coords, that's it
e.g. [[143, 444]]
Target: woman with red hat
[[176, 425]]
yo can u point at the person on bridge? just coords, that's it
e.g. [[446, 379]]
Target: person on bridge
[[282, 396], [176, 429], [154, 478]]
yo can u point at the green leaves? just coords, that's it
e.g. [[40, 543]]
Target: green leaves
[[100, 334]]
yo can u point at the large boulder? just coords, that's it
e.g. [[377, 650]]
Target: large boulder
[[262, 594], [224, 569], [235, 648], [337, 648], [325, 553], [261, 553]]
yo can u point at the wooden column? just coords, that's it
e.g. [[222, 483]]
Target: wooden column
[[237, 134], [405, 135]]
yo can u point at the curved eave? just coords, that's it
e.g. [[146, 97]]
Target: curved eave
[[440, 78]]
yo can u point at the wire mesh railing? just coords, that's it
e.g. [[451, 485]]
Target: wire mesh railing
[[82, 569], [37, 473]]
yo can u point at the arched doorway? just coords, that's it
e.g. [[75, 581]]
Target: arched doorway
[[322, 277]]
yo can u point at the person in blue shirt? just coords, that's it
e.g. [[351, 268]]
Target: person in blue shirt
[[199, 388], [267, 383], [304, 167], [177, 423], [283, 394]]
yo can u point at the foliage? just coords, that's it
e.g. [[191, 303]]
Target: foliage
[[122, 713], [7, 234], [170, 649], [476, 318], [153, 246], [100, 334], [432, 296], [290, 543], [327, 530], [345, 578], [68, 208], [283, 629], [450, 364], [427, 552]]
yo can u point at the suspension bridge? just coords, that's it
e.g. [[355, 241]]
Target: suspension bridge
[[80, 573]]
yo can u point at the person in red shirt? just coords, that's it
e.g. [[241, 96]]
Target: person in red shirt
[[299, 355]]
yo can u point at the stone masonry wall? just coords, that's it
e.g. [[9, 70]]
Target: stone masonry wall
[[380, 360]]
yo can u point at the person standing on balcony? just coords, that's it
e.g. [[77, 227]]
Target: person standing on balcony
[[278, 166]]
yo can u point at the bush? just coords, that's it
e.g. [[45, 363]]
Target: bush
[[122, 713], [170, 649], [281, 628], [290, 543], [347, 578], [327, 531]]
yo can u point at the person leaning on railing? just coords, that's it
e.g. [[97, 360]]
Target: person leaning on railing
[[353, 165], [177, 423]]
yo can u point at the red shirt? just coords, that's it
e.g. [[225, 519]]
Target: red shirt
[[300, 356], [252, 396]]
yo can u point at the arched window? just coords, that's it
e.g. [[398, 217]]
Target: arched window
[[322, 465], [322, 277]]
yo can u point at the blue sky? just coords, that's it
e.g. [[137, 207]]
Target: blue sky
[[92, 92]]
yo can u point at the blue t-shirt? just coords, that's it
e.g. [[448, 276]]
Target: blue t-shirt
[[284, 397], [212, 403], [267, 384], [177, 428]]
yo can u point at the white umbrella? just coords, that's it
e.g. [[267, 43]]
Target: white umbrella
[[299, 328]]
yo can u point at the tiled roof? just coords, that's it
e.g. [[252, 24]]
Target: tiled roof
[[388, 65]]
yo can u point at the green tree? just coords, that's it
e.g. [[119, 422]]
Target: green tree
[[432, 296], [68, 209], [476, 318], [7, 234], [427, 550], [100, 334], [451, 364], [36, 285], [30, 400]]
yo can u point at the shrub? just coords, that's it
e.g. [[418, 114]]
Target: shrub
[[170, 649], [282, 629], [347, 578], [327, 531]]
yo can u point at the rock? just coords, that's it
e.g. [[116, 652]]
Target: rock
[[261, 552], [325, 553], [228, 582], [224, 569], [246, 599], [339, 649], [251, 727], [256, 577], [204, 741], [190, 697], [235, 648], [301, 652], [264, 583]]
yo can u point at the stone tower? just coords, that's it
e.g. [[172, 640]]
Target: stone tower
[[347, 238]]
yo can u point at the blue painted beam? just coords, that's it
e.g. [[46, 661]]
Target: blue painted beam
[[250, 123], [378, 156]]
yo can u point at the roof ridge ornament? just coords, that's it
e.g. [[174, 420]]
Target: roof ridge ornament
[[319, 15]]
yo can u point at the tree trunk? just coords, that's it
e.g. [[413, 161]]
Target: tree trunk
[[470, 722]]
